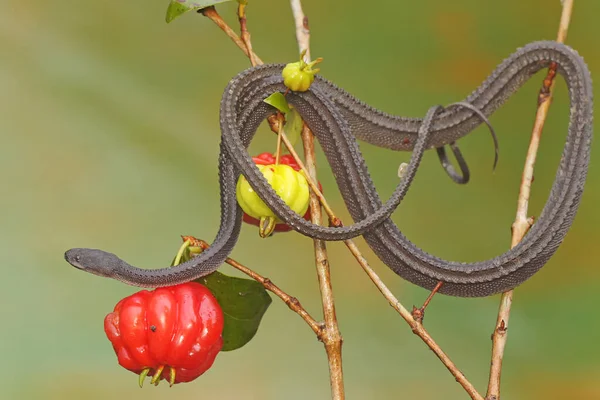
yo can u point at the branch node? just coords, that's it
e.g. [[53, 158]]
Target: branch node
[[290, 301], [322, 331], [544, 97], [335, 222], [294, 301], [418, 314], [502, 328]]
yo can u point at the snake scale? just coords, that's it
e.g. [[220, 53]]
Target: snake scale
[[338, 119]]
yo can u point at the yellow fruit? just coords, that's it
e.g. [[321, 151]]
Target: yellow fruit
[[288, 183], [298, 76]]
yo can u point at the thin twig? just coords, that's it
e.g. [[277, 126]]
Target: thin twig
[[416, 327], [279, 135], [290, 301], [214, 16], [302, 29], [332, 339], [244, 34], [522, 221], [419, 313]]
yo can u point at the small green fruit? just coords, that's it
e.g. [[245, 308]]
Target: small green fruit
[[298, 76]]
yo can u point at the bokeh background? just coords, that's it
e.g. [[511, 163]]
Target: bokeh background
[[109, 139]]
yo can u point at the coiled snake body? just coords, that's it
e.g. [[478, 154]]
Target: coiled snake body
[[338, 119]]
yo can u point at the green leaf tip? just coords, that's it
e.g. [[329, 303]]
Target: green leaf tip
[[278, 101], [178, 7], [244, 303], [293, 125]]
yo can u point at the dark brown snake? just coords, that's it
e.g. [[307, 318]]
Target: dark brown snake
[[338, 119]]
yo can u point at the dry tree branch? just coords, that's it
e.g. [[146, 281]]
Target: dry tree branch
[[330, 334], [302, 29], [290, 301], [331, 338], [245, 35], [522, 222], [415, 325]]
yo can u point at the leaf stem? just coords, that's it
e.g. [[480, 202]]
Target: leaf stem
[[522, 221]]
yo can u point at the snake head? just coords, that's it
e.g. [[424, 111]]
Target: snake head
[[94, 261]]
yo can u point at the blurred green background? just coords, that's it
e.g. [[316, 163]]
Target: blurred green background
[[109, 124]]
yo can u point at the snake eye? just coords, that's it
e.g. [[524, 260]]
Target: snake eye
[[77, 258]]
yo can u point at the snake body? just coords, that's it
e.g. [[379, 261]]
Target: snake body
[[338, 119]]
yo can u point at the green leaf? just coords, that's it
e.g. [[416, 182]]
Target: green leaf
[[293, 125], [278, 101], [178, 7], [293, 120], [243, 301]]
